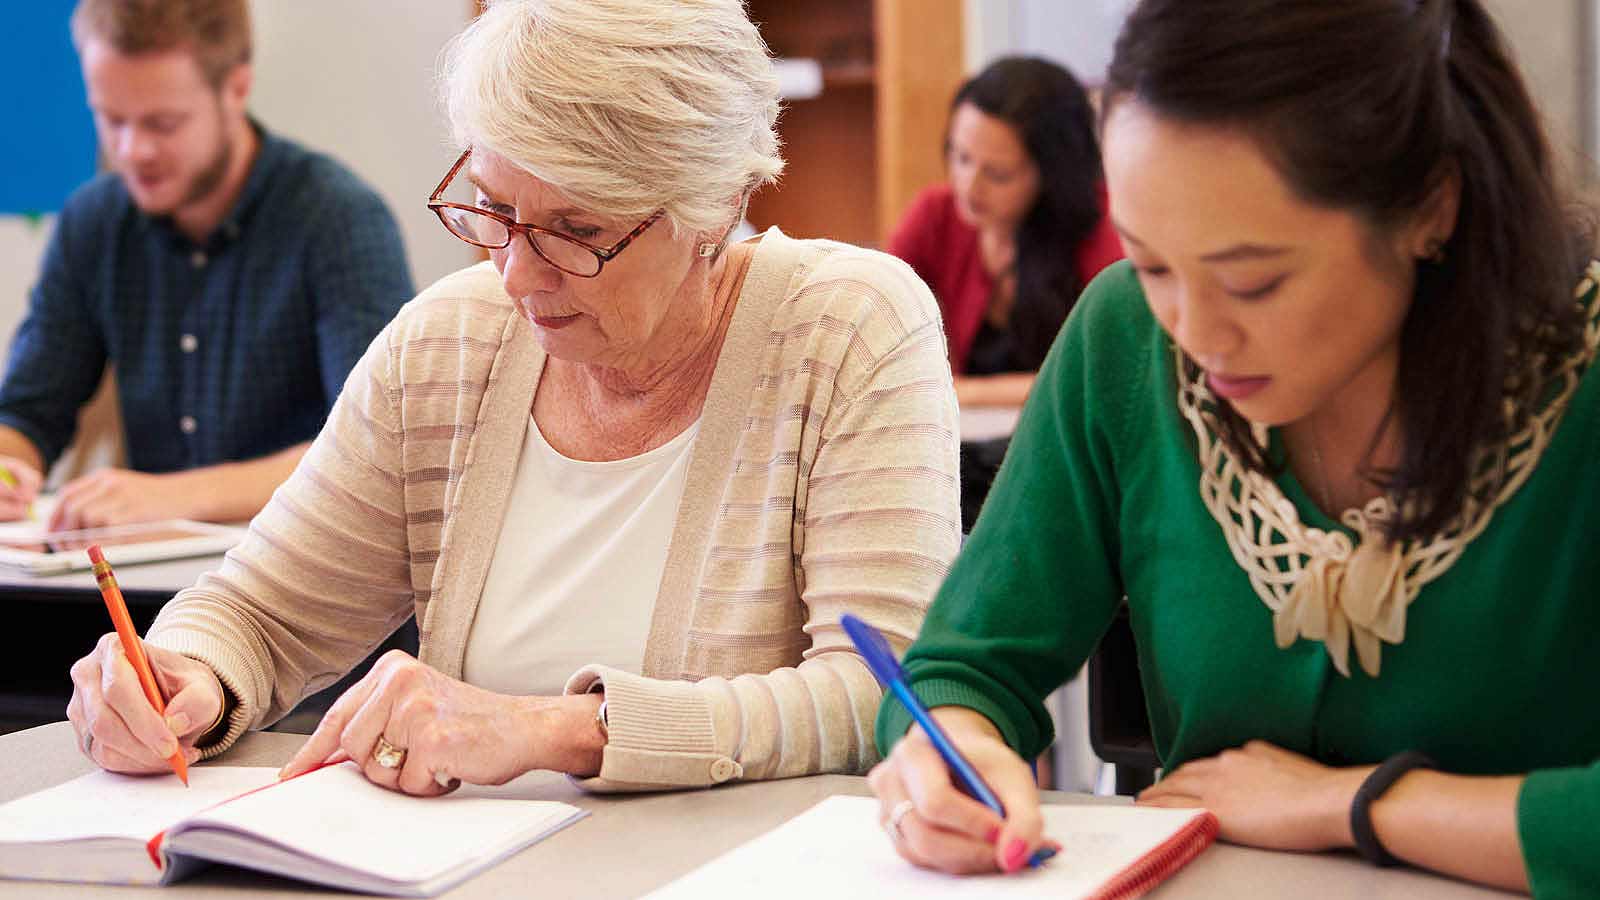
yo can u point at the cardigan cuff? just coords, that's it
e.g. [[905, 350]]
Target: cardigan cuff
[[231, 670], [660, 734]]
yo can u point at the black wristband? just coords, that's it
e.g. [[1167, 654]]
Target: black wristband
[[1377, 783]]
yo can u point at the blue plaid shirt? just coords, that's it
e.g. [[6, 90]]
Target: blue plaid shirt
[[227, 350]]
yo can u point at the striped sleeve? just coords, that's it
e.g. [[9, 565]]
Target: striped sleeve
[[323, 575]]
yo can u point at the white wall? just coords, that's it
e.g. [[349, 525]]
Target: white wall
[[1556, 42], [1078, 34], [356, 79], [1549, 45], [21, 251]]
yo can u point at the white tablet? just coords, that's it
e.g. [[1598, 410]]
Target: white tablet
[[62, 551]]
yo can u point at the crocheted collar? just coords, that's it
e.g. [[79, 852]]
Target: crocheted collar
[[1322, 585]]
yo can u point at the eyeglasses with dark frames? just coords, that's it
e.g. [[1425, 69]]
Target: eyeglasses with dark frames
[[492, 231]]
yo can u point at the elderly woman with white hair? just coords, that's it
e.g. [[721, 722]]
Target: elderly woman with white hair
[[626, 475]]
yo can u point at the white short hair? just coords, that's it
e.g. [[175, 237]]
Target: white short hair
[[625, 106]]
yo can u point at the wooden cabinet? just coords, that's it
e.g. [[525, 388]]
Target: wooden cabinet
[[860, 150]]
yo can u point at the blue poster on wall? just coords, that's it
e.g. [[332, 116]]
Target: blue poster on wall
[[51, 147]]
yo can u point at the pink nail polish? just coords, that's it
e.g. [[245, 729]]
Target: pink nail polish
[[1016, 853]]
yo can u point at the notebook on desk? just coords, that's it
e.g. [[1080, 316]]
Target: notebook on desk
[[835, 850], [28, 547], [330, 826]]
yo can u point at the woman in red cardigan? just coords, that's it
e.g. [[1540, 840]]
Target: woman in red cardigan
[[1009, 243]]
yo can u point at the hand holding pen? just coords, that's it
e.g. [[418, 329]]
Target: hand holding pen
[[19, 487], [954, 797]]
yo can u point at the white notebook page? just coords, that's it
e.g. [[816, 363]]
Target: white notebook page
[[837, 851], [103, 804], [335, 814]]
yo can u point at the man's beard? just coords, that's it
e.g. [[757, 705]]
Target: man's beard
[[209, 178]]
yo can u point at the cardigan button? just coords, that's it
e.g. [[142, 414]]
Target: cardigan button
[[725, 769]]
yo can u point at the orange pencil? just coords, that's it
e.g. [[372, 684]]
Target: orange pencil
[[132, 646]]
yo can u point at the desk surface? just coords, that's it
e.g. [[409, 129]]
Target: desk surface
[[633, 844], [167, 577]]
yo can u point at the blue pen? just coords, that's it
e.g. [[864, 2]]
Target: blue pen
[[880, 659]]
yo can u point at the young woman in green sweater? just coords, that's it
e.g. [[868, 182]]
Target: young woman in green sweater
[[1332, 433]]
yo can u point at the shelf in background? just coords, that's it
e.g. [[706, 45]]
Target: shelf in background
[[866, 88]]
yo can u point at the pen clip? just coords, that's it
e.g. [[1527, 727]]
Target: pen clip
[[874, 649]]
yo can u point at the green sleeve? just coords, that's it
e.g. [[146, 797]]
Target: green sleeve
[[1556, 815], [1037, 582]]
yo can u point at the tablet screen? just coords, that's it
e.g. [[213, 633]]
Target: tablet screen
[[74, 541]]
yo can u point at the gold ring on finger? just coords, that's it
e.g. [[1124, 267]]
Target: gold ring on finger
[[388, 755]]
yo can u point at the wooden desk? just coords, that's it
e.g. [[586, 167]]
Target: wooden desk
[[633, 844]]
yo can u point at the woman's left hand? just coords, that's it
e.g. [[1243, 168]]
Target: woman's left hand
[[450, 731], [1265, 796]]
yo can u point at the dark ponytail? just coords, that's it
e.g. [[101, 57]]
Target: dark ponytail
[[1365, 106], [1052, 114]]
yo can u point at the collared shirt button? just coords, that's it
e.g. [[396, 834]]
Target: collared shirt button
[[198, 259], [188, 343], [187, 425]]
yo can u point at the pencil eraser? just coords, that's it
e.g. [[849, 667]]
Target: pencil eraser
[[95, 556]]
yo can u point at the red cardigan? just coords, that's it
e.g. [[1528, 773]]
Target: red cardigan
[[944, 251]]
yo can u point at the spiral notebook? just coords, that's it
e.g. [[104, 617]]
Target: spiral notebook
[[330, 826], [836, 850]]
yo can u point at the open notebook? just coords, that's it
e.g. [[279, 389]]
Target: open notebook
[[837, 851], [330, 826]]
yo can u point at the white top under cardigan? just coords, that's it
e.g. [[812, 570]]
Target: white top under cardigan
[[577, 566]]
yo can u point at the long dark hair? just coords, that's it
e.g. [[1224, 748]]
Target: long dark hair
[[1052, 114], [1365, 106]]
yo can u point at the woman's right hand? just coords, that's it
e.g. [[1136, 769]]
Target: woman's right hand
[[17, 492], [128, 735], [944, 828]]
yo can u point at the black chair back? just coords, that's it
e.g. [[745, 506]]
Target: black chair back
[[1119, 726]]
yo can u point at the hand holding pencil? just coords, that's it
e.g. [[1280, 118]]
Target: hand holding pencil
[[133, 721], [133, 650]]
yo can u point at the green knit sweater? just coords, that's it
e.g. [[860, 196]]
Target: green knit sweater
[[1098, 499]]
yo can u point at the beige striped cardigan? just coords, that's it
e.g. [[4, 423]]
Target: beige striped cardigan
[[823, 481]]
